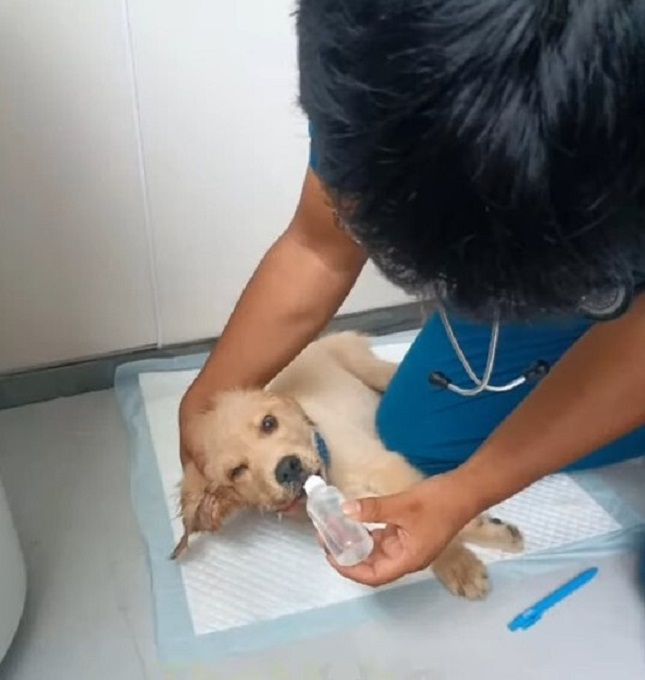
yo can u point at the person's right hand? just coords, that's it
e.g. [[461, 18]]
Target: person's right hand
[[420, 522]]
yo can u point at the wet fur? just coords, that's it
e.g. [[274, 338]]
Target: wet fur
[[334, 386]]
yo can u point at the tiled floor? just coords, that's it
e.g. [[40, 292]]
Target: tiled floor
[[64, 465], [65, 468]]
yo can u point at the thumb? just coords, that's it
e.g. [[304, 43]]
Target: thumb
[[377, 510]]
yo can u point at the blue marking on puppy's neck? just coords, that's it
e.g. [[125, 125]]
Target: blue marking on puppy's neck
[[322, 448]]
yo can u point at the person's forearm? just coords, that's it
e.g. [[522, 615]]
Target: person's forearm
[[289, 300], [593, 396], [299, 285]]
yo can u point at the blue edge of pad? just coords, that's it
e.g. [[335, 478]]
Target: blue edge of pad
[[177, 643]]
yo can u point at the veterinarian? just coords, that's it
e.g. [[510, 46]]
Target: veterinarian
[[488, 156]]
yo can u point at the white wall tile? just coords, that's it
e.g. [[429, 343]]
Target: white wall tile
[[225, 151], [74, 267]]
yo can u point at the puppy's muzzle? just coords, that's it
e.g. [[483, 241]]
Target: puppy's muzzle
[[290, 471]]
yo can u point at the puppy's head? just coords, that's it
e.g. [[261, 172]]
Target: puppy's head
[[260, 445], [255, 450]]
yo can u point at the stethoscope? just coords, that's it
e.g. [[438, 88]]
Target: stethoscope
[[599, 306], [439, 379]]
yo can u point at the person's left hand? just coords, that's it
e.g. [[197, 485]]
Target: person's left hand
[[420, 523]]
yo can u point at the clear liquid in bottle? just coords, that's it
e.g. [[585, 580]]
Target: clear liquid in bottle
[[347, 540]]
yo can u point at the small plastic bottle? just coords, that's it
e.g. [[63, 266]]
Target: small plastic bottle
[[347, 540]]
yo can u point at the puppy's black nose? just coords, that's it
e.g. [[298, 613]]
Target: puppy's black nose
[[289, 470]]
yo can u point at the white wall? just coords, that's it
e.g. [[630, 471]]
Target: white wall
[[74, 273], [103, 247]]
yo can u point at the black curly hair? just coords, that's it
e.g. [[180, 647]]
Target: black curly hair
[[490, 151]]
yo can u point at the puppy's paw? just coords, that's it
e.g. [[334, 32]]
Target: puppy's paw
[[463, 573], [500, 535]]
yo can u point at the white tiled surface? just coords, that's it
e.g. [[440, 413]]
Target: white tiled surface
[[65, 469]]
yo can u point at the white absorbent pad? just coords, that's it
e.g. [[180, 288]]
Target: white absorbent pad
[[263, 581]]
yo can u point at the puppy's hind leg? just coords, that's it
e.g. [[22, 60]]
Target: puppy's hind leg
[[490, 532], [354, 353], [377, 373]]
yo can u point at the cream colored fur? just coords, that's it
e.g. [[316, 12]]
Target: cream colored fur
[[333, 386]]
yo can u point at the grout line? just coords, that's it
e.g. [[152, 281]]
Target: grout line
[[143, 178]]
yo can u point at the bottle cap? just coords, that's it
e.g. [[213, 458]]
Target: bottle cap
[[312, 483]]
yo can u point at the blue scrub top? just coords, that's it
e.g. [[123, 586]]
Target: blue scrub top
[[313, 152]]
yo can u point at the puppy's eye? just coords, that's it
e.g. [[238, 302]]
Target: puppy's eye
[[269, 424], [237, 472]]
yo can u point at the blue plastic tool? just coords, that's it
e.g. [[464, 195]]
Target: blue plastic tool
[[533, 614]]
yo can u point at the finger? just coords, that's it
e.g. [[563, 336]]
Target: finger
[[389, 543], [370, 510], [378, 536], [379, 573], [387, 562], [321, 543]]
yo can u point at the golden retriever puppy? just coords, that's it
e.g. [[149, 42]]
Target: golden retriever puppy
[[256, 448]]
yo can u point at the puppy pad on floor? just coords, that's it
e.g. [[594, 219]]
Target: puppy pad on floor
[[262, 581]]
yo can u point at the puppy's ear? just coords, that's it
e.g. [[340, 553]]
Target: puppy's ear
[[296, 404], [203, 506]]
